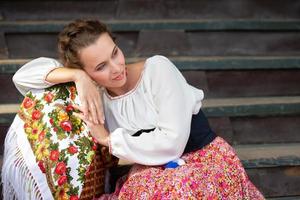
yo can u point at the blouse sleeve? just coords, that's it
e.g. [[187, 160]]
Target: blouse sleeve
[[33, 74], [175, 103]]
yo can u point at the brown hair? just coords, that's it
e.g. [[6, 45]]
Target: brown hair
[[77, 35]]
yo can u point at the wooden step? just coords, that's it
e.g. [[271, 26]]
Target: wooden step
[[239, 121], [269, 155], [218, 77], [215, 84], [236, 130], [199, 63], [285, 198], [175, 43], [274, 169], [276, 181], [191, 63], [52, 26], [255, 106], [135, 9], [257, 130]]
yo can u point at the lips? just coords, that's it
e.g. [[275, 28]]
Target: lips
[[119, 77]]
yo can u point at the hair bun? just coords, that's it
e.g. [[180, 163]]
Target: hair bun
[[77, 35]]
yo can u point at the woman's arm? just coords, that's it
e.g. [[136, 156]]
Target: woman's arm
[[64, 75], [33, 74], [43, 72]]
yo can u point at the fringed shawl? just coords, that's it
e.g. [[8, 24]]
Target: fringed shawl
[[48, 151]]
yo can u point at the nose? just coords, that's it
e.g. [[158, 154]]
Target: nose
[[115, 67]]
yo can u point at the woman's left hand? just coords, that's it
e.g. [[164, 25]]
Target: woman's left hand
[[98, 131], [92, 107]]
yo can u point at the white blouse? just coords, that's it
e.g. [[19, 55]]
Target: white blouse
[[162, 99]]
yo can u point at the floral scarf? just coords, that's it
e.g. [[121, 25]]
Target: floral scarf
[[60, 142]]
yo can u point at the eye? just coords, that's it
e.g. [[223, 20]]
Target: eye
[[100, 67]]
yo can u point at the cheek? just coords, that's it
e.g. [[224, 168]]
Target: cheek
[[100, 78], [121, 57]]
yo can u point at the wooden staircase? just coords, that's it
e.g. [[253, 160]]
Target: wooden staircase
[[243, 54]]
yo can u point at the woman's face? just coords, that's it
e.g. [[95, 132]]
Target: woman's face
[[104, 62]]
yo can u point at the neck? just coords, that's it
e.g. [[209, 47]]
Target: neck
[[133, 77], [118, 91], [115, 91]]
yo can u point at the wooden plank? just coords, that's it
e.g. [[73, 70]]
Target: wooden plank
[[269, 129], [277, 181], [209, 63], [269, 155], [251, 106], [254, 106], [3, 46], [53, 26]]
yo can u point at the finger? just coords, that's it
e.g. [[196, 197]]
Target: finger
[[76, 107], [90, 117], [102, 113], [79, 115], [101, 116], [93, 113], [99, 112], [85, 109]]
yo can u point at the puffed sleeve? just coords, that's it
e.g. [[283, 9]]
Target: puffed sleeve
[[175, 102], [32, 75]]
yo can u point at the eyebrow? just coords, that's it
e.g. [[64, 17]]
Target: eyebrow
[[104, 61]]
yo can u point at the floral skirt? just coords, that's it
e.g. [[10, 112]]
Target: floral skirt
[[213, 172]]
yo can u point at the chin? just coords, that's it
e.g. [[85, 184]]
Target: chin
[[122, 83], [118, 84]]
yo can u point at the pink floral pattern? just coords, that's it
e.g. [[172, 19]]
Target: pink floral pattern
[[214, 172]]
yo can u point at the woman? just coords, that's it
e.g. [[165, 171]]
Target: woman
[[153, 119]]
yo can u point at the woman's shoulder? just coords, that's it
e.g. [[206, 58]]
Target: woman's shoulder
[[151, 68], [158, 63], [149, 64], [159, 66], [157, 59]]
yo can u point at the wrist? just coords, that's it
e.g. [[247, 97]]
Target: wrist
[[103, 141], [77, 75], [103, 138], [106, 141]]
